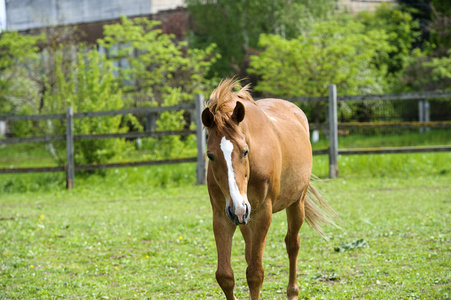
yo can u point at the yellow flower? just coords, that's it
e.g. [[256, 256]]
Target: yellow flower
[[31, 266]]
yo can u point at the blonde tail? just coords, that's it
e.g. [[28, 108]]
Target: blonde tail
[[317, 211]]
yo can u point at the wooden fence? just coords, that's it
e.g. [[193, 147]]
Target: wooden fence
[[70, 166], [333, 126]]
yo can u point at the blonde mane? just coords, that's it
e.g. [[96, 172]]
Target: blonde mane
[[222, 101]]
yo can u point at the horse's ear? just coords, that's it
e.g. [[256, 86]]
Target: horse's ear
[[208, 119], [239, 112]]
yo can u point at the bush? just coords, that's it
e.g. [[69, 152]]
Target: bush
[[91, 86], [154, 67]]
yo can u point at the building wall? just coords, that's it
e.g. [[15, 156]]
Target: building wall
[[354, 6], [159, 5], [29, 14]]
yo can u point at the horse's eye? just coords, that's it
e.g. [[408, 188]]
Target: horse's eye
[[246, 152], [210, 156]]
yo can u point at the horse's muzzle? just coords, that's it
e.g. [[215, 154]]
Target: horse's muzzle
[[238, 220]]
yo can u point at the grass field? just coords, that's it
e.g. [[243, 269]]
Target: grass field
[[145, 233]]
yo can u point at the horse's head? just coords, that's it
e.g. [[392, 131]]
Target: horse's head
[[227, 150]]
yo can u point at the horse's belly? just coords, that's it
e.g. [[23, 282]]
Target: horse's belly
[[292, 187], [296, 169]]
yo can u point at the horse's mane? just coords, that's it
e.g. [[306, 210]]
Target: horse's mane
[[222, 102]]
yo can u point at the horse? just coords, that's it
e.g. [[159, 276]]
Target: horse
[[260, 162]]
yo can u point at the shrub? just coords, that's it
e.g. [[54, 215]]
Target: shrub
[[91, 86]]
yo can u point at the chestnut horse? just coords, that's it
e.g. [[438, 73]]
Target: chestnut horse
[[260, 163]]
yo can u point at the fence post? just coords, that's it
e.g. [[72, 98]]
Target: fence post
[[151, 122], [333, 135], [70, 166], [421, 113], [201, 166], [427, 113]]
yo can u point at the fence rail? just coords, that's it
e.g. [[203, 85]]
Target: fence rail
[[385, 150], [334, 126], [70, 167], [144, 110], [97, 166], [78, 137], [367, 125], [401, 96]]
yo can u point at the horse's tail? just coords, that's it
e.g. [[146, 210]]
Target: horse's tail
[[317, 211]]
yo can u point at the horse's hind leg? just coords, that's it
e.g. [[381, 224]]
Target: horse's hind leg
[[295, 218]]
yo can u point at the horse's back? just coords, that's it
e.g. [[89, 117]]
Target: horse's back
[[279, 110]]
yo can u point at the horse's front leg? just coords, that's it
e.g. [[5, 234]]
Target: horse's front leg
[[259, 224], [223, 231]]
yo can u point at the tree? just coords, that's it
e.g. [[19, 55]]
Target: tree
[[403, 33], [440, 26], [235, 26], [59, 46], [422, 12], [90, 87], [431, 54], [154, 69], [339, 52]]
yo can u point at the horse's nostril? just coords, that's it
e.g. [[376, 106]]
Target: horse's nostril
[[230, 211], [231, 214]]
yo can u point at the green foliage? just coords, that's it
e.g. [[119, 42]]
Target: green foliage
[[90, 87], [156, 71], [342, 52], [242, 23], [15, 50], [402, 30], [154, 68], [439, 26], [334, 52], [420, 63], [441, 67], [433, 18], [15, 47], [172, 146]]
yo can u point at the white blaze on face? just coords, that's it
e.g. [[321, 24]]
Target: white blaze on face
[[237, 198]]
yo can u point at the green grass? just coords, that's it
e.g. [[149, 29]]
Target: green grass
[[25, 155], [402, 138], [105, 241]]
